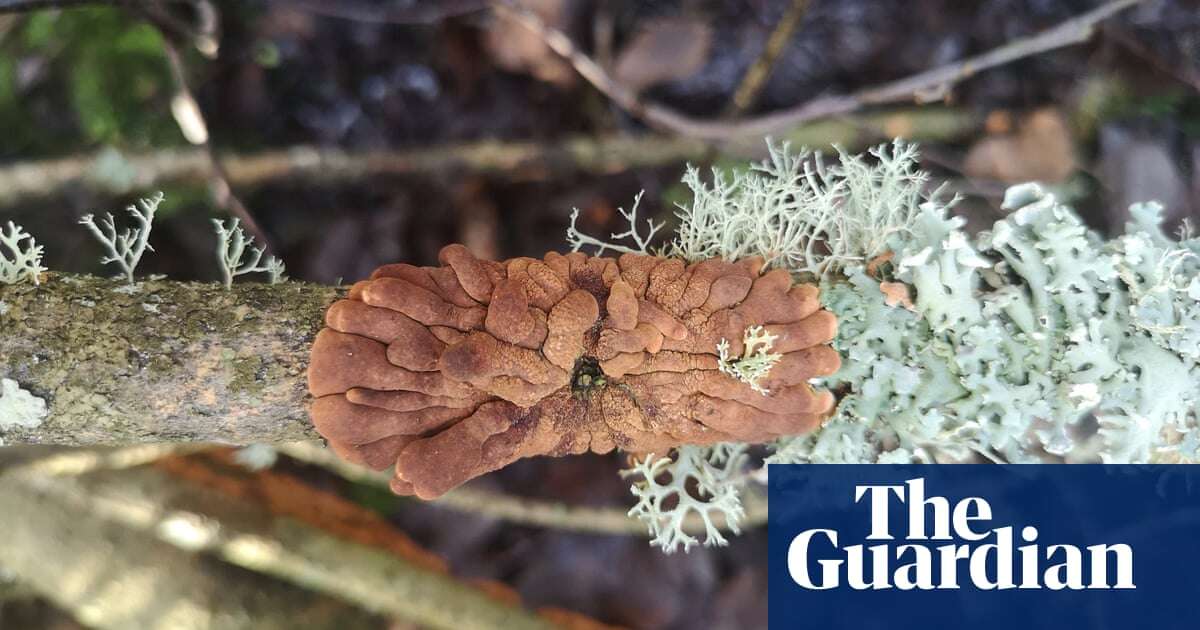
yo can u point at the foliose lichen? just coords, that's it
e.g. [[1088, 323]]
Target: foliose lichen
[[19, 409], [1036, 340]]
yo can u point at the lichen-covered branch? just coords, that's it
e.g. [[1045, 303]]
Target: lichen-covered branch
[[160, 361]]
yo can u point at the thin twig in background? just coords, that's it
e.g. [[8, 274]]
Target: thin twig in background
[[923, 87], [23, 6], [484, 503], [202, 31], [192, 123], [80, 461], [400, 13], [1186, 75], [756, 77], [531, 512], [111, 172]]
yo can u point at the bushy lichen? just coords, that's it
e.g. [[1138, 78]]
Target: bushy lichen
[[237, 255], [256, 457], [800, 213], [19, 261], [696, 480], [756, 360], [127, 247], [1014, 339]]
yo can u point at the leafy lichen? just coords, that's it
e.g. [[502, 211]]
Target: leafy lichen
[[19, 409]]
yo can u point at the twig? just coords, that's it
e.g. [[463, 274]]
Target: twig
[[202, 31], [22, 6], [195, 128], [1187, 76], [531, 512], [79, 461], [424, 12], [924, 87], [114, 173], [756, 77]]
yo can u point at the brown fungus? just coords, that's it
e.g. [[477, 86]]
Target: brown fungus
[[451, 372]]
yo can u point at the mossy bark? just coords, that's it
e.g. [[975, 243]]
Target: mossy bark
[[161, 361]]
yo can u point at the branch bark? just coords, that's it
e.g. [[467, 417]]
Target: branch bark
[[165, 361], [111, 172]]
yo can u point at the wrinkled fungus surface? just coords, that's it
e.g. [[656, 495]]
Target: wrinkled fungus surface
[[450, 372]]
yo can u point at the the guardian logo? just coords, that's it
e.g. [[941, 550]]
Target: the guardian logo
[[974, 554]]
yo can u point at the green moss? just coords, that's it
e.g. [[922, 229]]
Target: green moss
[[248, 375]]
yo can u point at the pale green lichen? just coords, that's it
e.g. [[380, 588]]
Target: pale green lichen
[[1016, 335], [127, 247], [801, 214], [756, 360], [19, 409], [640, 244], [19, 261], [237, 255], [256, 457], [697, 481]]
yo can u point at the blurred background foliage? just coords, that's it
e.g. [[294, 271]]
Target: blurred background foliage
[[1106, 123]]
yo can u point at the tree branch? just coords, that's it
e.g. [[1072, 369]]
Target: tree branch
[[923, 87], [114, 173], [173, 511], [522, 511], [756, 76], [110, 575], [164, 361], [194, 126]]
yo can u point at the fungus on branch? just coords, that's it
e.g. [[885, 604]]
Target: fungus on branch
[[451, 372]]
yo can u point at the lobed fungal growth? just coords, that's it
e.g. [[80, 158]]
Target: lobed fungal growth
[[450, 372]]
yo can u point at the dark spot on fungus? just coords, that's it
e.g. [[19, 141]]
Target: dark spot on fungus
[[586, 377]]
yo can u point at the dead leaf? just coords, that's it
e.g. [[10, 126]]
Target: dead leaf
[[516, 48], [897, 294], [1041, 150], [664, 49], [875, 263]]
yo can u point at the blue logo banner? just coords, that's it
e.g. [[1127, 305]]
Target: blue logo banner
[[984, 546]]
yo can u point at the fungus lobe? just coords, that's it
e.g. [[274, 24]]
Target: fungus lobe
[[446, 373]]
